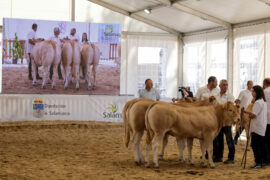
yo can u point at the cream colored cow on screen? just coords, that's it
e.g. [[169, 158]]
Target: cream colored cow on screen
[[45, 54], [71, 59], [90, 57]]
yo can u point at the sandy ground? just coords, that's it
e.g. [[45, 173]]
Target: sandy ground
[[95, 150], [15, 81]]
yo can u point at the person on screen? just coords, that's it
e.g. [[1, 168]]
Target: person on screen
[[73, 35], [31, 40], [149, 92], [57, 39], [84, 41], [84, 38]]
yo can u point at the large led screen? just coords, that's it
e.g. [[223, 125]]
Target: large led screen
[[60, 57]]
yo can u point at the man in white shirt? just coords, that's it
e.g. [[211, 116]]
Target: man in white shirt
[[31, 40], [73, 35], [223, 97], [149, 92], [208, 90], [245, 97], [57, 39], [266, 141]]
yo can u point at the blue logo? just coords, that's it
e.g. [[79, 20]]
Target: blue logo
[[38, 108]]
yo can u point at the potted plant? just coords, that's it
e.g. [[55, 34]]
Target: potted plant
[[16, 50]]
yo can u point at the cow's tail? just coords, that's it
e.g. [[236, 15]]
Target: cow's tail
[[53, 44], [125, 115], [150, 133], [56, 53]]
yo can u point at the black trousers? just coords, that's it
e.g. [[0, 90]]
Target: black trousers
[[266, 145], [218, 143], [238, 133], [58, 69], [257, 147]]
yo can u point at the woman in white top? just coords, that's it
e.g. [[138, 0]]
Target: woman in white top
[[258, 124]]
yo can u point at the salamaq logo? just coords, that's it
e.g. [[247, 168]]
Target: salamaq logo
[[112, 34], [112, 112], [109, 31]]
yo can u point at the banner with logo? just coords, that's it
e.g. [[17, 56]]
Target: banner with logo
[[62, 107]]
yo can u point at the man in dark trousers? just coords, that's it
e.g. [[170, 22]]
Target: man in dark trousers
[[31, 40], [57, 39], [218, 145]]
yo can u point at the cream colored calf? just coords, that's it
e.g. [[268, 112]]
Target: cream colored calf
[[45, 54], [90, 57], [203, 123], [71, 59], [134, 120]]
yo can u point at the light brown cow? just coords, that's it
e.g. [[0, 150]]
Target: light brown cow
[[90, 56], [211, 100], [186, 99], [134, 120], [118, 59], [203, 123], [134, 124], [67, 62], [45, 54], [71, 59], [245, 121]]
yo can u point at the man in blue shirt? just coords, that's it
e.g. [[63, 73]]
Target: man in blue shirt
[[149, 92]]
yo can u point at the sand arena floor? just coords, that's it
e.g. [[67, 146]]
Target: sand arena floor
[[95, 150]]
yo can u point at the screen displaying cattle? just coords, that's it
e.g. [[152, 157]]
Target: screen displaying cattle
[[60, 57]]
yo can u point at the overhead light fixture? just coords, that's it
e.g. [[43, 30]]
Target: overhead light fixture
[[147, 10]]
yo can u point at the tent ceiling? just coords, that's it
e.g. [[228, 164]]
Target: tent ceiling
[[233, 11], [133, 5], [178, 20], [194, 15]]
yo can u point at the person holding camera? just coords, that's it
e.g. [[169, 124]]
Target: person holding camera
[[185, 92], [189, 93]]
